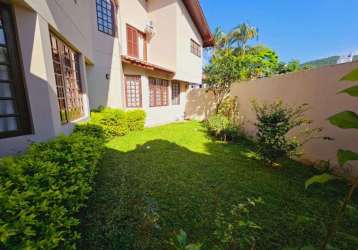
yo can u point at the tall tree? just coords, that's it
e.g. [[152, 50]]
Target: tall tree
[[241, 35]]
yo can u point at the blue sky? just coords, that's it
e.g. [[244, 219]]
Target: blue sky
[[303, 30]]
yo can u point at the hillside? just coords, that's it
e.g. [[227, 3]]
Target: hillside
[[324, 62]]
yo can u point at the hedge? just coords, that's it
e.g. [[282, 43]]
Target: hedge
[[42, 191], [116, 122], [112, 121], [136, 119]]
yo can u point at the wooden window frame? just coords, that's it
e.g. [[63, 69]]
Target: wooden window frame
[[133, 46], [113, 21], [16, 81], [195, 48], [69, 86], [176, 93], [158, 89], [127, 92]]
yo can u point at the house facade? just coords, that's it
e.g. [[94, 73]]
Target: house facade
[[61, 58]]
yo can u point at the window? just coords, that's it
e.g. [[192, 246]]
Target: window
[[175, 93], [195, 48], [105, 16], [133, 91], [158, 92], [68, 80], [14, 115], [136, 43]]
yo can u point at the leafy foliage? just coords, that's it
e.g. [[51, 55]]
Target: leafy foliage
[[221, 127], [274, 122], [345, 119], [237, 231], [113, 121], [181, 242], [345, 156], [229, 108], [352, 91], [116, 122], [136, 119], [321, 179], [221, 73], [42, 191]]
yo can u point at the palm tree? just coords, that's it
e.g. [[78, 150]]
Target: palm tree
[[241, 34]]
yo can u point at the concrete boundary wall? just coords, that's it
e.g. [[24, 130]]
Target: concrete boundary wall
[[318, 88]]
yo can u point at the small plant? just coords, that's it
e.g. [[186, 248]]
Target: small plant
[[237, 231], [274, 122], [221, 127], [181, 242], [229, 108]]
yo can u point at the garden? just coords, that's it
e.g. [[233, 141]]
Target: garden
[[113, 184]]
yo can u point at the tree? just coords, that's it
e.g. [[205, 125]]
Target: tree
[[345, 120], [260, 61], [221, 73], [240, 35], [233, 60]]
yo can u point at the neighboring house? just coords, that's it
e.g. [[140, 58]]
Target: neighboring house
[[59, 58]]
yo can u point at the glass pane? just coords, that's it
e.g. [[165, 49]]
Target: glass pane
[[3, 55], [4, 73], [2, 36], [5, 90], [7, 107], [8, 124]]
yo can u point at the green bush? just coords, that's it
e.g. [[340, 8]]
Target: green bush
[[274, 122], [42, 192], [90, 129], [136, 119], [221, 127], [112, 121]]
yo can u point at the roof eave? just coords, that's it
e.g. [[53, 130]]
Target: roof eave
[[197, 15]]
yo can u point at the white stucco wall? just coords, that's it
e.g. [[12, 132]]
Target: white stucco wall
[[189, 66]]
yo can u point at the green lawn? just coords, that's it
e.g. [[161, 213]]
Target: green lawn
[[153, 183]]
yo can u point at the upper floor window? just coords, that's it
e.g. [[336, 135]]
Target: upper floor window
[[105, 16], [68, 81], [158, 92], [195, 48], [14, 115], [136, 43]]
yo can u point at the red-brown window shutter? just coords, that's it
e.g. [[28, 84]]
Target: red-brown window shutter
[[132, 41]]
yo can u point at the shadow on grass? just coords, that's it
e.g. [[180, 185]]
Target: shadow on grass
[[144, 197]]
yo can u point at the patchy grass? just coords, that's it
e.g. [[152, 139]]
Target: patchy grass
[[154, 183]]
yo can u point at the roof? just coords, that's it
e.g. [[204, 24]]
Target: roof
[[197, 15], [146, 65]]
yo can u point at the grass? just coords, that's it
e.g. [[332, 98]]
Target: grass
[[153, 183]]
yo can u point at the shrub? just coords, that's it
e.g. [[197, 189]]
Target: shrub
[[136, 119], [90, 129], [42, 191], [274, 122], [112, 121], [221, 127], [229, 108]]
